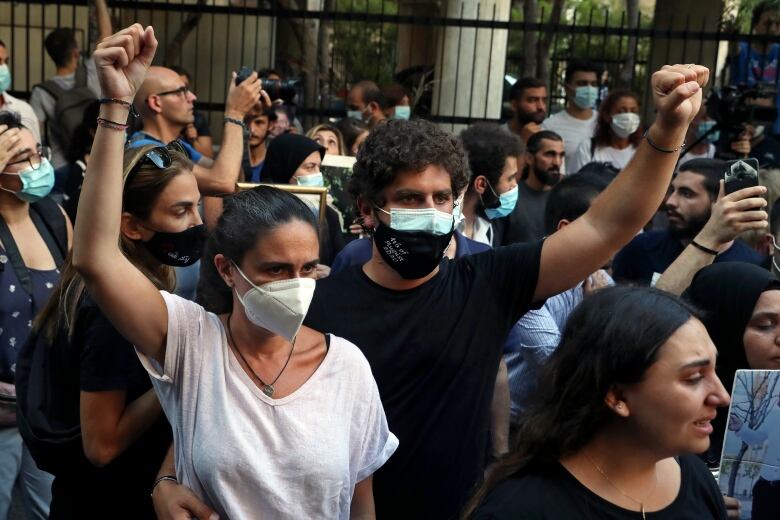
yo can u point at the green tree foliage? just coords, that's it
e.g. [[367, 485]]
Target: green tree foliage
[[364, 50]]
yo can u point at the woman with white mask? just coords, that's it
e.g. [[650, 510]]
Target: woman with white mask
[[270, 419], [617, 134]]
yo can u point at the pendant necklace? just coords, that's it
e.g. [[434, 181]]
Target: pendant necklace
[[267, 388], [640, 503]]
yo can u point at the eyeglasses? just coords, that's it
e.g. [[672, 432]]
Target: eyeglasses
[[158, 156], [181, 90], [35, 158]]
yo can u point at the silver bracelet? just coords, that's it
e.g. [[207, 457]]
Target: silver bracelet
[[172, 478]]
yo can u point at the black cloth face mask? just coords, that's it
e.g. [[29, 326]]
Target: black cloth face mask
[[411, 254], [180, 249]]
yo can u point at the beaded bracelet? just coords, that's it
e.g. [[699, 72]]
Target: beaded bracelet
[[171, 478], [233, 120], [114, 101], [646, 135], [111, 125]]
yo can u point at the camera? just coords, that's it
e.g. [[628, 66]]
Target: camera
[[285, 89], [735, 106]]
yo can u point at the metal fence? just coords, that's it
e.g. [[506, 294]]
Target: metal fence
[[462, 53]]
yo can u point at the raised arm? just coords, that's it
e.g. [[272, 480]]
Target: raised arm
[[731, 215], [220, 176], [621, 211], [103, 20], [132, 303]]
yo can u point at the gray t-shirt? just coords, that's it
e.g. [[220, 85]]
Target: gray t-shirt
[[43, 104], [526, 222]]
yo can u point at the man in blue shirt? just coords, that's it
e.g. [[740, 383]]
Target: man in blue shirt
[[167, 105], [689, 207]]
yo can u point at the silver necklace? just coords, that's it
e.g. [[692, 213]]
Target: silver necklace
[[640, 503], [267, 388]]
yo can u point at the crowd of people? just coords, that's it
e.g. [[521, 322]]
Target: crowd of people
[[535, 319]]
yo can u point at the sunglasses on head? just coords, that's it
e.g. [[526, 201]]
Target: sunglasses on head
[[159, 156]]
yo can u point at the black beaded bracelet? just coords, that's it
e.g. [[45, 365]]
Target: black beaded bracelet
[[704, 249], [172, 478], [114, 101], [233, 120], [646, 135]]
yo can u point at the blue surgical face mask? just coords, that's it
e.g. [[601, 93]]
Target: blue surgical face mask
[[355, 114], [402, 112], [429, 220], [36, 182], [312, 180], [5, 78], [586, 96], [706, 126], [507, 202]]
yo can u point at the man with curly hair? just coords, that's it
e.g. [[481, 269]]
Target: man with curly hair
[[433, 328]]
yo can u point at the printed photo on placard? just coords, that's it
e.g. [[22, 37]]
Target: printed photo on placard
[[336, 171], [750, 466]]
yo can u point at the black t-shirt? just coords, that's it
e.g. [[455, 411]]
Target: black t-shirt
[[121, 488], [554, 494], [434, 351], [652, 252]]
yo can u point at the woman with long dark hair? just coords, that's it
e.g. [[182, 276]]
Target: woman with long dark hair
[[627, 397], [617, 134], [105, 436], [270, 419]]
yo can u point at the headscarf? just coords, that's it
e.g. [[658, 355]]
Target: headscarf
[[727, 293], [285, 154]]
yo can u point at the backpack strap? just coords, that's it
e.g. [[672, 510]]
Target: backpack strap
[[52, 88], [592, 147], [50, 222], [12, 252], [55, 91], [81, 74], [53, 231]]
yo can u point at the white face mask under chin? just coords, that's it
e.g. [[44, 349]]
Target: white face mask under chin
[[278, 307]]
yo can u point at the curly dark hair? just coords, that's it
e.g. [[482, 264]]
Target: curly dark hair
[[487, 147], [603, 132], [397, 146]]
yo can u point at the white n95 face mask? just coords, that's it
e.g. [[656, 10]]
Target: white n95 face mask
[[280, 306]]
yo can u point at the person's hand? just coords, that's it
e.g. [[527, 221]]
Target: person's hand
[[741, 147], [594, 282], [321, 271], [735, 423], [529, 129], [7, 410], [265, 100], [173, 501], [243, 97], [677, 95], [190, 133], [9, 145], [122, 60], [733, 507], [732, 215]]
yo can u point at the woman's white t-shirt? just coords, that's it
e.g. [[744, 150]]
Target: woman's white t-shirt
[[250, 456], [583, 156]]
